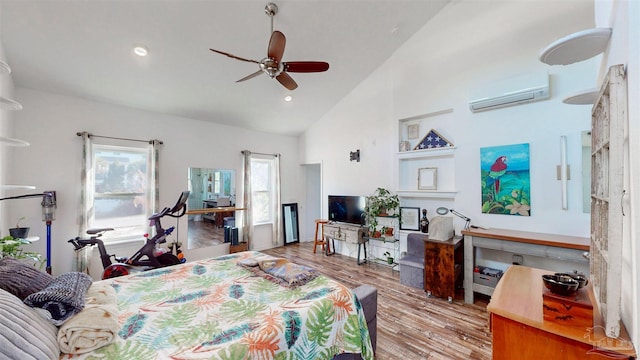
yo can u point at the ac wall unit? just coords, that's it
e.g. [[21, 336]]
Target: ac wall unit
[[514, 91]]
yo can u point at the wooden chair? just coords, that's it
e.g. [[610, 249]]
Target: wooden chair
[[320, 241]]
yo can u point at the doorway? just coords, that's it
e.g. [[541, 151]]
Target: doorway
[[314, 204]]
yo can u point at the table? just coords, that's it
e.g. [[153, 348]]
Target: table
[[519, 330], [349, 233], [214, 210], [553, 252]]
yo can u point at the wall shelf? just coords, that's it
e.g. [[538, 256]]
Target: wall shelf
[[582, 97], [4, 68], [576, 47], [423, 154], [17, 187], [8, 104], [13, 142], [427, 194]]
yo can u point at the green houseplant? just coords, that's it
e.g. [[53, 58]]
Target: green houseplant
[[389, 257], [380, 203], [10, 247]]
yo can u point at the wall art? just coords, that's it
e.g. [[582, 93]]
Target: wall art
[[505, 180], [410, 218]]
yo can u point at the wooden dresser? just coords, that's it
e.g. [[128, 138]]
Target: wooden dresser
[[519, 330]]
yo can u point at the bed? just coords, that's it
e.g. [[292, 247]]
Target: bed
[[229, 308]]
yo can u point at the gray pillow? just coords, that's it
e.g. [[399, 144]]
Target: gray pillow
[[23, 333], [22, 279]]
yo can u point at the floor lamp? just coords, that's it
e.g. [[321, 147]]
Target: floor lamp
[[48, 215]]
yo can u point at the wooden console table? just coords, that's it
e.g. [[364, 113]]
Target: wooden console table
[[349, 233], [214, 210], [519, 330], [557, 250]]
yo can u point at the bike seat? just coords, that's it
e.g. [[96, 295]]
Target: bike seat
[[98, 230]]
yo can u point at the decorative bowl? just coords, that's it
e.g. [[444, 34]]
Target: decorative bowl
[[561, 284], [583, 280]]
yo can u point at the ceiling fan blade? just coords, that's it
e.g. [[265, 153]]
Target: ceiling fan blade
[[251, 76], [276, 46], [305, 66], [235, 57], [286, 81]]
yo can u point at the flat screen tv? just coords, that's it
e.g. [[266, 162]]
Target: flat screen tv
[[347, 209]]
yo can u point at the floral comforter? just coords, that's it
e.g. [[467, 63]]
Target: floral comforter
[[219, 309]]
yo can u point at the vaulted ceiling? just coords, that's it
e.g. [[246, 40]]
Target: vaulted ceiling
[[85, 49]]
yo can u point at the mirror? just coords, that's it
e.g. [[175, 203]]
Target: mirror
[[210, 188], [290, 219], [586, 171]]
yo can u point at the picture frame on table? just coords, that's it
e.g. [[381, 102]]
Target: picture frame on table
[[427, 178], [409, 218]]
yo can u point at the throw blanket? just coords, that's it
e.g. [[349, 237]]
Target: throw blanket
[[279, 270], [62, 298], [93, 327]]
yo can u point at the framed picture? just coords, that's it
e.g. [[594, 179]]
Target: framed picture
[[412, 131], [409, 218], [427, 178]]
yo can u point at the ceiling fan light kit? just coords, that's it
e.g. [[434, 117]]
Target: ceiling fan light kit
[[272, 64]]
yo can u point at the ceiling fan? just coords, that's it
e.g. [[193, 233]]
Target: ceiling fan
[[272, 64]]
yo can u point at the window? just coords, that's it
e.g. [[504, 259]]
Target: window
[[119, 194], [262, 190], [216, 182]]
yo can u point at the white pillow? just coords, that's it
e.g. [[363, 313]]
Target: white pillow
[[23, 333]]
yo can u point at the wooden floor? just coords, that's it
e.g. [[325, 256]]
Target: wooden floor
[[204, 233], [410, 325]]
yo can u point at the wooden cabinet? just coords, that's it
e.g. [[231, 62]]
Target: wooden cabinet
[[519, 329], [443, 265]]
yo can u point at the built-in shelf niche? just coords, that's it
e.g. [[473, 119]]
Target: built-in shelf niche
[[442, 158]]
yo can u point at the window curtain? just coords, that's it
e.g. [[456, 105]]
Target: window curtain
[[153, 171], [277, 238], [247, 224], [247, 218], [82, 260], [83, 256]]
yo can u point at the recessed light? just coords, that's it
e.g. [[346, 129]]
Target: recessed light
[[140, 50], [288, 98]]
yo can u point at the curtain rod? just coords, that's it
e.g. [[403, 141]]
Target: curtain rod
[[119, 138], [257, 153]]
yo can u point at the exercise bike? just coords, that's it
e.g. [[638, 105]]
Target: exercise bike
[[148, 256]]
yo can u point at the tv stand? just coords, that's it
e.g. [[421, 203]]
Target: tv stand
[[349, 233]]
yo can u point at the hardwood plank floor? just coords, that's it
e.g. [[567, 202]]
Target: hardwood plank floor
[[411, 326]]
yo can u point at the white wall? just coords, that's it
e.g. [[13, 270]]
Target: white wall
[[624, 18], [465, 46], [52, 162], [6, 130]]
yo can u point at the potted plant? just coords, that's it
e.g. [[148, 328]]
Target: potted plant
[[380, 203], [389, 257], [19, 232], [12, 247]]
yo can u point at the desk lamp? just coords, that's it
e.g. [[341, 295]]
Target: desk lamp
[[444, 210]]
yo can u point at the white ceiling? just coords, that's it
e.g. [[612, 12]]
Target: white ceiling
[[84, 49]]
